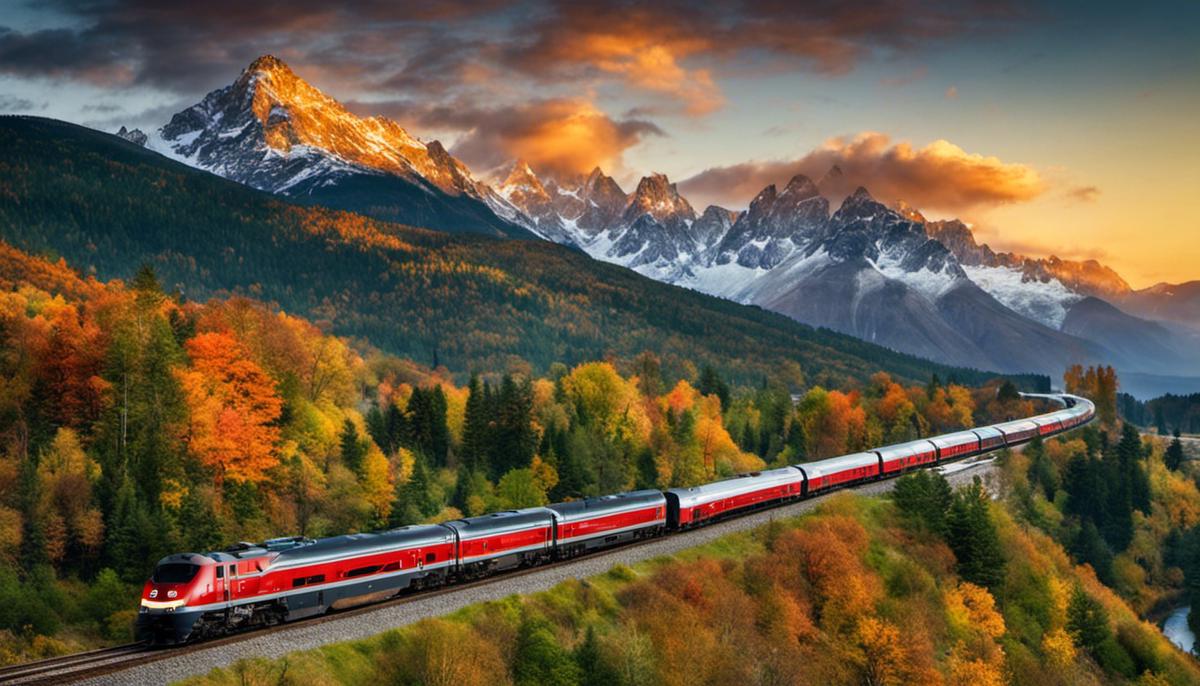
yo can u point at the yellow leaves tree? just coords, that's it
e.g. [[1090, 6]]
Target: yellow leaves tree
[[232, 409], [1058, 648], [378, 486], [69, 518]]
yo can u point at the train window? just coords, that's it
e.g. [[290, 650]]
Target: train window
[[296, 583], [430, 557], [391, 566], [232, 570], [220, 572], [174, 573], [363, 571], [307, 580]]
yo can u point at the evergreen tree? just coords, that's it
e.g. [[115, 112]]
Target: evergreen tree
[[1090, 548], [925, 496], [710, 383], [514, 439], [539, 660], [1041, 471], [972, 536], [797, 441], [413, 502], [353, 448], [1087, 621], [1174, 455], [594, 670], [475, 438]]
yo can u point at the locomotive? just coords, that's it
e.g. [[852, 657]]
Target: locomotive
[[192, 596]]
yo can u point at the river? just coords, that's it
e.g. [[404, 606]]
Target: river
[[1176, 629]]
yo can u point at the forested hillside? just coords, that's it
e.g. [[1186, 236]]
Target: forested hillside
[[134, 424], [937, 588], [468, 303]]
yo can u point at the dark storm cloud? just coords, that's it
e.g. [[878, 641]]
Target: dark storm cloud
[[669, 48]]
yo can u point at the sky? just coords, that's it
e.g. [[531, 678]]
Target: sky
[[1065, 128]]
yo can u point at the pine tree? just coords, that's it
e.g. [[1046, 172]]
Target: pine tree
[[1087, 621], [1174, 455], [972, 536], [475, 438], [1090, 548], [593, 669], [539, 660], [926, 497], [353, 449], [710, 383]]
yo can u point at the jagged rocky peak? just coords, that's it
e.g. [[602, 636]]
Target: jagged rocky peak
[[801, 186], [833, 183], [659, 198], [909, 212], [522, 178], [135, 136], [860, 205], [713, 224], [272, 129]]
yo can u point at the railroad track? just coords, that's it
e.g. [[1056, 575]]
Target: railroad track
[[29, 672]]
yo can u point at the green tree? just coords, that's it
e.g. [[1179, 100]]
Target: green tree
[[925, 497], [1174, 455], [414, 503], [1087, 621], [539, 660], [972, 536], [711, 383], [594, 670], [353, 448]]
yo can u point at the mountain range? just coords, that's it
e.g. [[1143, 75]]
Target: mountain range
[[883, 274], [463, 301]]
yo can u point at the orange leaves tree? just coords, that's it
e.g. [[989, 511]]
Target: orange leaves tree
[[233, 409]]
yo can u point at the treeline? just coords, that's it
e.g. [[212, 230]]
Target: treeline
[[468, 303], [1166, 414]]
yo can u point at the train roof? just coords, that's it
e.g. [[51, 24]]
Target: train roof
[[501, 522], [605, 504], [906, 448], [741, 483], [1044, 419], [351, 545], [1017, 425], [987, 432], [837, 464], [956, 438]]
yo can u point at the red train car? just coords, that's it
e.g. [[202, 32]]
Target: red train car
[[905, 456], [606, 520], [840, 471], [699, 504]]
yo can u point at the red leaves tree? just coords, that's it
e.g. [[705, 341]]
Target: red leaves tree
[[233, 408]]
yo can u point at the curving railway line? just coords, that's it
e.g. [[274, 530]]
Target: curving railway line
[[332, 579]]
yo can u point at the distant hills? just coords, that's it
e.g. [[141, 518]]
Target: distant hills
[[465, 301], [883, 274]]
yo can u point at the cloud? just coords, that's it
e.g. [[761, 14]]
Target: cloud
[[940, 176], [1083, 193], [556, 136], [12, 103], [673, 51]]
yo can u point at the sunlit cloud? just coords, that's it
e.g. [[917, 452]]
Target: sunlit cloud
[[939, 176]]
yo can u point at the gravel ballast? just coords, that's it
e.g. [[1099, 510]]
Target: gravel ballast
[[304, 636]]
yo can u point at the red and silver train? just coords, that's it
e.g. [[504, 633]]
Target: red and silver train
[[192, 596]]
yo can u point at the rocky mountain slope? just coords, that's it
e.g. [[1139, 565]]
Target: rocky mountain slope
[[463, 301], [274, 131]]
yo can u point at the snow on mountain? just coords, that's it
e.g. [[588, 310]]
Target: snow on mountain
[[272, 130], [1045, 301]]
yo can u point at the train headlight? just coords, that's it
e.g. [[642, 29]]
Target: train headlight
[[169, 605]]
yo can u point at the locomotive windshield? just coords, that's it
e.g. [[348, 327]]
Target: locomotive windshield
[[174, 573]]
